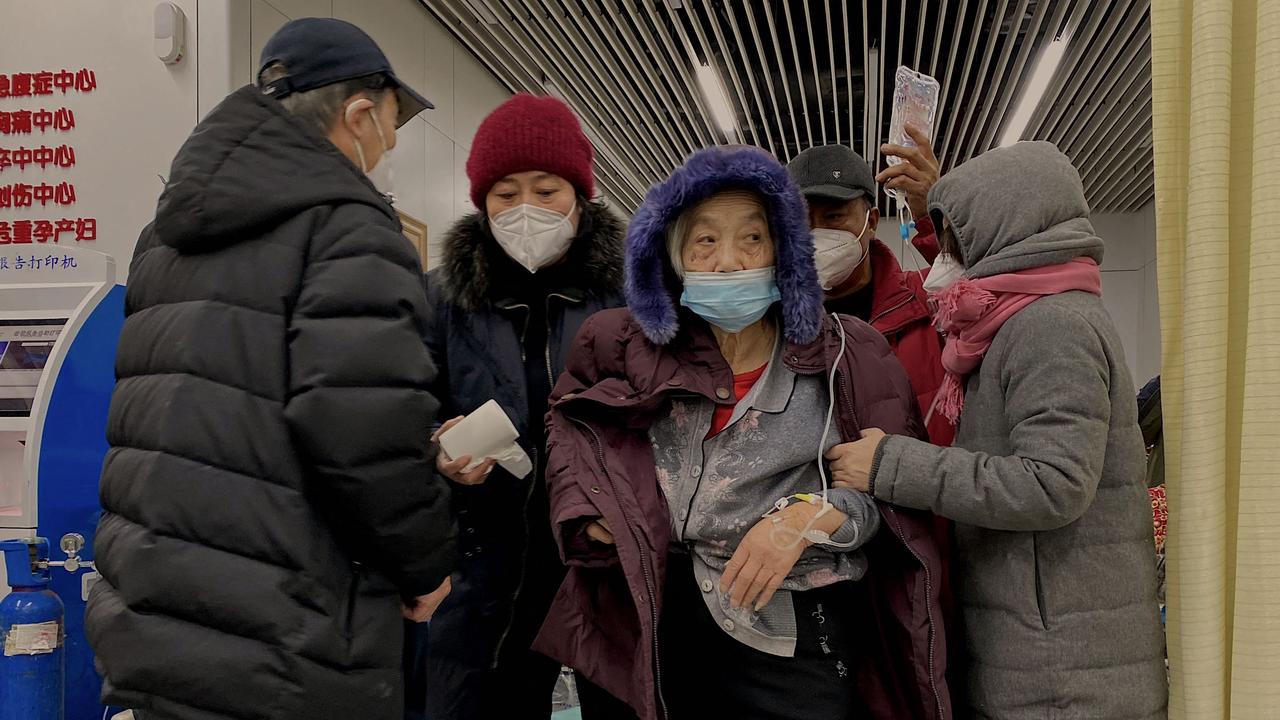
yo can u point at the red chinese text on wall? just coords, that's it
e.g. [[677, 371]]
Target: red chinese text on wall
[[30, 146]]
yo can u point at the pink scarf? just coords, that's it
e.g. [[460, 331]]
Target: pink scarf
[[971, 312]]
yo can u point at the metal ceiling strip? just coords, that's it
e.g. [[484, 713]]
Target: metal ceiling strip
[[921, 18], [817, 77], [1133, 134], [835, 89], [1000, 85], [1016, 77], [1143, 199], [585, 110], [765, 114], [877, 129], [786, 85], [625, 85], [1141, 187], [685, 73], [867, 98], [944, 110], [589, 111], [794, 109], [611, 173], [768, 81], [1132, 68], [1102, 54], [1118, 121], [848, 68], [653, 88], [721, 48], [964, 81], [589, 79], [666, 73], [1072, 67], [1121, 171], [937, 46], [710, 61]]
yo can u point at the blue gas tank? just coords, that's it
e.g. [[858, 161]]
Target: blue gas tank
[[33, 663]]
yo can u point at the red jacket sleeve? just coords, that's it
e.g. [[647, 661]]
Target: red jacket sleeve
[[926, 239]]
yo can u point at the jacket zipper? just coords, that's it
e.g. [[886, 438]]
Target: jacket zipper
[[928, 609], [875, 319], [524, 515], [928, 578], [537, 463], [644, 566]]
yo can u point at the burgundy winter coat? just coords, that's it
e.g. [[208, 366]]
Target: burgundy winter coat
[[601, 466]]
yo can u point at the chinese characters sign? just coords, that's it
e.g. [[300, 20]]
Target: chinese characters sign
[[36, 263], [36, 136]]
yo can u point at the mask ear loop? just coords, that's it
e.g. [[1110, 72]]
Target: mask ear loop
[[348, 114], [817, 537]]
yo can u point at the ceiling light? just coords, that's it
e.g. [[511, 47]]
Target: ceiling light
[[1035, 89], [717, 100]]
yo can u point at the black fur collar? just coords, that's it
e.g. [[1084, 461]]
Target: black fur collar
[[476, 271]]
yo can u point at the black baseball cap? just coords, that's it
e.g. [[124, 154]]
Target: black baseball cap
[[832, 172], [323, 51]]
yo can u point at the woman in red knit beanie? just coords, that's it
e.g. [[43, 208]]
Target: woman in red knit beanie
[[517, 280]]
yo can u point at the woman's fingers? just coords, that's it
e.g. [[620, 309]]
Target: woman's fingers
[[757, 587], [774, 585]]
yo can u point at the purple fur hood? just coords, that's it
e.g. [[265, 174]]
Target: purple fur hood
[[653, 290]]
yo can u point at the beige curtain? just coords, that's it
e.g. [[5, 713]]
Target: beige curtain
[[1216, 80]]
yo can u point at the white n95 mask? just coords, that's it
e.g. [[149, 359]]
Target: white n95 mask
[[532, 236], [837, 253], [943, 274]]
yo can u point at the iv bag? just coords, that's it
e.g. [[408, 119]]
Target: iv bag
[[915, 101]]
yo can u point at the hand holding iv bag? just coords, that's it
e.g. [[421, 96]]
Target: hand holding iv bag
[[915, 102], [484, 434]]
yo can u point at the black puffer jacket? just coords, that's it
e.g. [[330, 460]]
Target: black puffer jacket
[[269, 494]]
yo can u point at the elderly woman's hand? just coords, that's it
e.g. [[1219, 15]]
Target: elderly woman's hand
[[763, 559], [851, 462], [598, 530]]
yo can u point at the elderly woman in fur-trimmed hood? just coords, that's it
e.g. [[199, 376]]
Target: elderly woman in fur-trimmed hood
[[710, 576], [518, 279]]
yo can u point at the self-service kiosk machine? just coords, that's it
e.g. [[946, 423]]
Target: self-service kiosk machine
[[60, 317]]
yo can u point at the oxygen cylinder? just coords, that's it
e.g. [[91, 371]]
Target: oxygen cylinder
[[33, 666]]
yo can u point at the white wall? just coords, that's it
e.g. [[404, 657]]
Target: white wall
[[1128, 282], [127, 131], [1129, 287], [431, 150]]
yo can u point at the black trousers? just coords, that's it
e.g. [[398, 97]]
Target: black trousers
[[705, 673]]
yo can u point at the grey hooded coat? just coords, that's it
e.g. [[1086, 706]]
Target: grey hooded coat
[[1055, 574]]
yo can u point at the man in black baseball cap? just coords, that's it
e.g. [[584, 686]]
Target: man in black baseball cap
[[313, 53], [271, 512], [860, 274]]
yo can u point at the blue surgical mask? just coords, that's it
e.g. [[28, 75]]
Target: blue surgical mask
[[731, 301]]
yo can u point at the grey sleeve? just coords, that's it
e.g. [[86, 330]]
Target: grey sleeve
[[864, 517], [1055, 379]]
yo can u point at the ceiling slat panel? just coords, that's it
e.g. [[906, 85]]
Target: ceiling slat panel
[[630, 70]]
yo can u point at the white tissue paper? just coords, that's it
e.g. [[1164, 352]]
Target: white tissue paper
[[484, 434]]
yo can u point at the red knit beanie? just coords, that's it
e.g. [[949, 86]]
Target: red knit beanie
[[529, 133]]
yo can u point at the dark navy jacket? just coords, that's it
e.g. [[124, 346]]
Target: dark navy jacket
[[479, 314]]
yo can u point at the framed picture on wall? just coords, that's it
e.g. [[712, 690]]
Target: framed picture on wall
[[416, 231]]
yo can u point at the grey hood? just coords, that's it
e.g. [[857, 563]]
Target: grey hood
[[1017, 208]]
